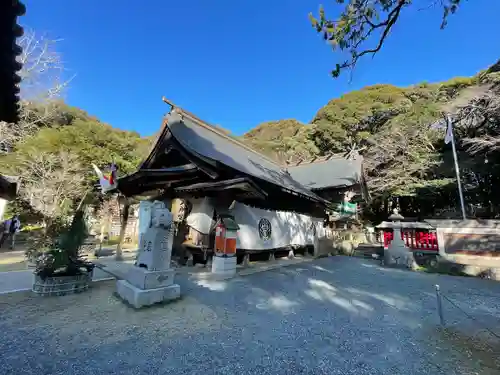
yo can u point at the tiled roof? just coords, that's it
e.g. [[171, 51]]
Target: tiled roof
[[207, 141], [331, 173]]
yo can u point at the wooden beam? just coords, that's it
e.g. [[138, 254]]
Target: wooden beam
[[242, 184], [189, 167], [197, 160]]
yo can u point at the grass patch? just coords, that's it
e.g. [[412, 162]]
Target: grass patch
[[442, 269]]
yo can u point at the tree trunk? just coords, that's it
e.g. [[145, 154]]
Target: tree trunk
[[123, 227]]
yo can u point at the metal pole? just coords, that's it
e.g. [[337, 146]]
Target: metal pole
[[457, 170], [440, 305]]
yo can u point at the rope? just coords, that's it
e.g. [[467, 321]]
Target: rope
[[470, 316], [474, 294]]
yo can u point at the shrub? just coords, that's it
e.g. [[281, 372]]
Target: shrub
[[56, 253], [452, 87]]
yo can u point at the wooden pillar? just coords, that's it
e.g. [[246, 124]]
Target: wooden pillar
[[123, 226], [246, 260]]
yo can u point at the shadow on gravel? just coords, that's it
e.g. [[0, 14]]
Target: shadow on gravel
[[357, 294]]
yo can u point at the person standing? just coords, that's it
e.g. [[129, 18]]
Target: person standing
[[5, 231], [10, 229]]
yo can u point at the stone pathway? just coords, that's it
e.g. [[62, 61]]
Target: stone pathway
[[21, 280], [337, 315]]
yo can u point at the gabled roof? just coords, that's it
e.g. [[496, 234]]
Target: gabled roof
[[331, 173], [207, 141]]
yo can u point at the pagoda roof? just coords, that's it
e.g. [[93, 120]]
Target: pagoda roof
[[9, 31]]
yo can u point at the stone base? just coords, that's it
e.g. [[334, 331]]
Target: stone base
[[223, 268], [61, 285], [143, 279], [146, 297]]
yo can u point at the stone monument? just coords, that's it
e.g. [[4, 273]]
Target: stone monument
[[151, 279], [397, 253]]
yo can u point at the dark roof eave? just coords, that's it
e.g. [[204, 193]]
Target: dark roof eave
[[336, 187], [166, 131]]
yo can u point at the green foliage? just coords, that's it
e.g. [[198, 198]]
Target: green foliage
[[493, 78], [353, 117], [113, 240], [285, 140], [75, 236], [390, 126], [74, 130], [58, 251], [452, 87], [31, 228], [93, 142], [363, 26], [57, 159]]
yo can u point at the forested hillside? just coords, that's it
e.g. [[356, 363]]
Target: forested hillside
[[52, 152], [405, 159]]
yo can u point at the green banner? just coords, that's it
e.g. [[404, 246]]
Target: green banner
[[346, 209]]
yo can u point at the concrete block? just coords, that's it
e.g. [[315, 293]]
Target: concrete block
[[224, 266], [144, 279], [219, 276], [140, 298]]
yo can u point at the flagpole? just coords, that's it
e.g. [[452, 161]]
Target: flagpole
[[457, 170]]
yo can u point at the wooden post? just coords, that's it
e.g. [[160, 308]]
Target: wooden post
[[124, 221], [439, 305]]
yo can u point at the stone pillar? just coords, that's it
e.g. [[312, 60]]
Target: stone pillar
[[151, 279], [316, 245], [246, 260], [398, 253]]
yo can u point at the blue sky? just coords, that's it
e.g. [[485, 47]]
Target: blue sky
[[240, 63]]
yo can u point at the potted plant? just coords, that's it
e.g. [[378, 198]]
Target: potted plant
[[59, 268]]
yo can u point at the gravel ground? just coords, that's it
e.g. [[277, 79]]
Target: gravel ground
[[332, 316]]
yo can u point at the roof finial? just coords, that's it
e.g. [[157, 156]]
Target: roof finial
[[169, 102]]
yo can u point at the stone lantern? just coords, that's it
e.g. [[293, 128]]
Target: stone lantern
[[395, 216], [397, 252]]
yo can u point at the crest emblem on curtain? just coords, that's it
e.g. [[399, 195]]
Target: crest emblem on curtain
[[265, 230]]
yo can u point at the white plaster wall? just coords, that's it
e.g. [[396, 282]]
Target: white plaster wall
[[200, 217], [287, 228], [3, 204]]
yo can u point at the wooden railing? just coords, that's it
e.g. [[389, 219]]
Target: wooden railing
[[415, 240]]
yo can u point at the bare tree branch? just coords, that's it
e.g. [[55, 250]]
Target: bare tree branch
[[482, 117], [43, 82], [49, 181], [360, 22], [398, 158]]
